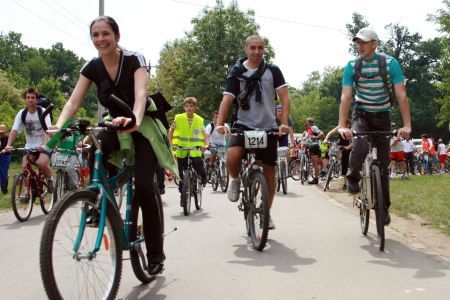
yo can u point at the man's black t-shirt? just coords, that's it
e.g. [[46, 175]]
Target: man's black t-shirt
[[122, 86]]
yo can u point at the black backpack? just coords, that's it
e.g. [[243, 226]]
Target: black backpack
[[382, 72], [42, 103]]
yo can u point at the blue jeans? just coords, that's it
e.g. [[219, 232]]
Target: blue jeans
[[5, 160]]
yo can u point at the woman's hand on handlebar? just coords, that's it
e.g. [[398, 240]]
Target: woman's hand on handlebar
[[283, 129], [123, 122], [221, 129]]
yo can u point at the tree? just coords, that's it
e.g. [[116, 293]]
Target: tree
[[442, 18], [198, 64], [359, 21]]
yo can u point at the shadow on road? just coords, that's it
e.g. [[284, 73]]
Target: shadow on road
[[195, 216], [32, 221], [398, 255], [277, 255], [149, 291], [288, 195]]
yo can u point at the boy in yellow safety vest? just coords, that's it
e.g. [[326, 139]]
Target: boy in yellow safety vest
[[188, 130]]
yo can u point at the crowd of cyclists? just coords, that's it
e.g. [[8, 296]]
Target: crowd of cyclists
[[251, 88]]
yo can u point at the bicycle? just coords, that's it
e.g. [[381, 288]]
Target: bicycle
[[294, 165], [335, 155], [371, 191], [192, 183], [219, 174], [28, 186], [72, 171], [305, 164], [281, 169], [255, 194], [83, 259]]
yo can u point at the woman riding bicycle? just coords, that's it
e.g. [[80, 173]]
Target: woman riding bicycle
[[123, 73]]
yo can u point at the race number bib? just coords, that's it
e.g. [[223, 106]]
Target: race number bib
[[255, 139]]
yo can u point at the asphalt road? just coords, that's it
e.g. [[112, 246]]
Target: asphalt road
[[317, 251]]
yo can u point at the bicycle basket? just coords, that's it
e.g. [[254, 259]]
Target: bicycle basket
[[63, 161], [334, 151], [221, 151]]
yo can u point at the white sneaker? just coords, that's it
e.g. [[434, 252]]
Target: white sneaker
[[271, 224], [392, 176], [234, 190]]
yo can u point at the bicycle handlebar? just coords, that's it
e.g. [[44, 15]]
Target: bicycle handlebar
[[47, 111]]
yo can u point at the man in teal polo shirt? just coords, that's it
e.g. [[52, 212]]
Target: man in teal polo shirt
[[373, 103]]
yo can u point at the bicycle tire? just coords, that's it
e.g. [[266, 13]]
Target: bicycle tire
[[60, 184], [66, 277], [294, 169], [364, 209], [377, 193], [46, 199], [258, 215], [136, 232], [278, 177], [198, 193], [224, 178], [22, 204], [215, 179], [186, 192], [329, 175], [283, 177], [303, 170]]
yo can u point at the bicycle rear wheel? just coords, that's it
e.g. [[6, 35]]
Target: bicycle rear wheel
[[186, 193], [295, 169], [258, 214], [303, 170], [138, 253], [46, 199], [377, 193], [81, 275], [22, 197]]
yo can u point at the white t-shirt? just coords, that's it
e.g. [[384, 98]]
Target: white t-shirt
[[215, 137], [408, 146], [441, 149], [34, 134]]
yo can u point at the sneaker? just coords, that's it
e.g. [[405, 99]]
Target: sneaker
[[314, 181], [204, 181], [92, 218], [344, 187], [322, 173], [353, 187], [392, 176], [155, 268], [50, 186], [387, 218], [5, 192], [234, 190], [162, 191], [271, 224]]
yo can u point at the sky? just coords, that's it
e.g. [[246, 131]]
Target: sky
[[307, 36]]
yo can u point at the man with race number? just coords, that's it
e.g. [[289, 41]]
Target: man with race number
[[253, 85]]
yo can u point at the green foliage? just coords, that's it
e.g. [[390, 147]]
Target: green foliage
[[359, 21]]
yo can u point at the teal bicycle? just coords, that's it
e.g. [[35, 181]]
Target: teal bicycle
[[81, 258]]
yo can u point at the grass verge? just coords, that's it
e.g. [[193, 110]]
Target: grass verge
[[425, 196], [5, 200]]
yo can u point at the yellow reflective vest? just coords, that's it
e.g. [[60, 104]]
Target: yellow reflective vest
[[188, 136]]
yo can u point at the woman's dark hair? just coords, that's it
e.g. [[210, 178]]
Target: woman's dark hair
[[424, 136], [110, 21]]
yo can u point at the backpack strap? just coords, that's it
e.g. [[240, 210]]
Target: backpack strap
[[382, 71], [357, 69], [212, 127]]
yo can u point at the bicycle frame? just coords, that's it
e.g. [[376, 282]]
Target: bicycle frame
[[105, 188]]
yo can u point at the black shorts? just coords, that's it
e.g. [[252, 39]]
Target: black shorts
[[268, 155], [314, 149]]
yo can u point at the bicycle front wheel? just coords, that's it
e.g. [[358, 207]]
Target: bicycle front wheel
[[198, 192], [224, 177], [364, 209], [215, 178], [329, 175], [283, 176], [258, 214], [84, 274], [22, 197], [295, 170], [380, 213], [186, 193]]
